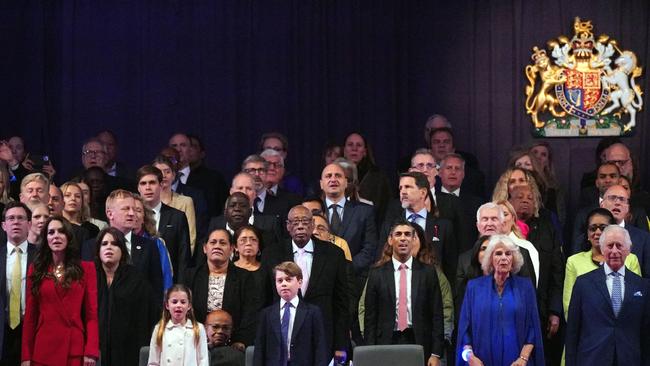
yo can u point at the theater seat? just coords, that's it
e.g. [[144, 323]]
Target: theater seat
[[144, 356], [250, 350], [389, 355]]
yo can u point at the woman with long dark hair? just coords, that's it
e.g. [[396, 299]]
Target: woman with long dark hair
[[127, 311], [60, 325]]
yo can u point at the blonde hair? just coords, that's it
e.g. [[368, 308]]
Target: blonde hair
[[496, 240], [501, 192], [511, 210], [81, 214], [34, 177], [166, 315], [4, 179], [117, 194], [148, 222]]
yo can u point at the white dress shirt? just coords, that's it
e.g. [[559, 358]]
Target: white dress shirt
[[433, 193], [260, 203], [609, 280], [304, 261], [409, 274], [156, 214], [11, 260], [178, 346], [292, 317], [185, 175], [127, 237], [455, 192]]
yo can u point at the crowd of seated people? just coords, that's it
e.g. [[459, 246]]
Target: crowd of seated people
[[476, 275]]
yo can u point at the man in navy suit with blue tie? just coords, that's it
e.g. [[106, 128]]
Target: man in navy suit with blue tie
[[609, 314]]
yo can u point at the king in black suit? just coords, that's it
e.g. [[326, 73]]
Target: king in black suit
[[599, 332], [424, 326], [327, 284]]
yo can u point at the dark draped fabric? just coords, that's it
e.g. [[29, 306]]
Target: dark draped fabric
[[127, 315], [229, 70]]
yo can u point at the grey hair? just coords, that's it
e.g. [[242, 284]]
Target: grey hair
[[423, 151], [495, 240], [95, 140], [450, 156], [434, 116], [490, 205], [348, 166], [254, 159], [612, 229], [271, 152]]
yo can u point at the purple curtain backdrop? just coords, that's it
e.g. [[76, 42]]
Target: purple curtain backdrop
[[229, 70]]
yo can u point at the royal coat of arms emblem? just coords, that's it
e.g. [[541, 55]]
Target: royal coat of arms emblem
[[588, 89]]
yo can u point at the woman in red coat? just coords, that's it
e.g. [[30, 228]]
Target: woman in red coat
[[60, 326]]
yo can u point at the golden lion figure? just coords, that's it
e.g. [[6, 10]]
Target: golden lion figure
[[544, 99]]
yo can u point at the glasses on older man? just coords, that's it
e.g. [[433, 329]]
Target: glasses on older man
[[614, 199], [92, 152]]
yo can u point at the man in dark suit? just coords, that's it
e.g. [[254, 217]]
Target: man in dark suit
[[238, 213], [609, 313], [196, 174], [144, 252], [617, 200], [413, 190], [324, 276], [295, 337], [452, 176], [170, 222], [414, 287], [15, 257], [280, 201], [351, 220], [113, 167], [449, 207]]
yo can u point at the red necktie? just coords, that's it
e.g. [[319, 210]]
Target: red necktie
[[402, 316]]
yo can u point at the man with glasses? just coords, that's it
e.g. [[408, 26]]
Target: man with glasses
[[15, 257], [325, 281], [280, 200], [617, 200], [279, 142], [218, 325]]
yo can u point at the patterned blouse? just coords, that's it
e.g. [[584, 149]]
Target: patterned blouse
[[216, 285]]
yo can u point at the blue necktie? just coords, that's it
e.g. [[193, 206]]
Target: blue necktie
[[284, 326], [616, 293], [413, 217]]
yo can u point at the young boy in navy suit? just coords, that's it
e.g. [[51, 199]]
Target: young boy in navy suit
[[290, 332]]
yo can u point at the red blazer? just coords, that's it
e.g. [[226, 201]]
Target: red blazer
[[61, 323]]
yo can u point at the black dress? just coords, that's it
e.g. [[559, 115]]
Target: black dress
[[127, 314]]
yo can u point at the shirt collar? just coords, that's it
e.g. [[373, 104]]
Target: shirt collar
[[622, 224], [128, 236], [455, 192], [608, 270], [396, 263], [262, 194], [156, 208], [329, 202], [294, 302], [274, 189], [112, 170], [422, 213], [187, 325], [186, 173], [309, 247], [11, 247]]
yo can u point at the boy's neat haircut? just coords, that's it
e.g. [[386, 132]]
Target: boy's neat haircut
[[289, 268]]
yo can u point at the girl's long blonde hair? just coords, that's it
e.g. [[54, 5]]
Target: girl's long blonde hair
[[166, 315]]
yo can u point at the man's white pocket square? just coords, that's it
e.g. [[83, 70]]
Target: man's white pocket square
[[638, 293]]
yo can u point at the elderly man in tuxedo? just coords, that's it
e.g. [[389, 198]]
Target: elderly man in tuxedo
[[609, 312]]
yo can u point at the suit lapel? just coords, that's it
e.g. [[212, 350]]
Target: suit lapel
[[389, 279], [298, 321], [164, 218], [631, 287], [276, 323], [416, 275], [348, 213], [601, 285]]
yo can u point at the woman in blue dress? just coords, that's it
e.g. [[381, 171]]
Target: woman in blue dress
[[499, 321]]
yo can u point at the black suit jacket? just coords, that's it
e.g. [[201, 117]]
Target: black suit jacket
[[359, 229], [240, 299], [307, 337], [145, 257], [451, 208], [280, 204], [213, 186], [551, 266], [4, 300], [426, 307], [439, 233], [200, 207], [328, 287], [174, 230], [595, 336]]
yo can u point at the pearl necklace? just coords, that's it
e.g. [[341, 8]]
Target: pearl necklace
[[59, 271]]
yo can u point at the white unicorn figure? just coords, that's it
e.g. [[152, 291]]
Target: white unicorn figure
[[626, 94]]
